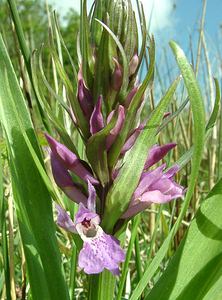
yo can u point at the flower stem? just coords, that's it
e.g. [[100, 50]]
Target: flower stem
[[102, 286]]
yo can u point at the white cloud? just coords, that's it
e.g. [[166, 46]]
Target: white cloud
[[63, 6], [159, 11]]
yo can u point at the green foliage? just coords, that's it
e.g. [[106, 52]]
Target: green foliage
[[199, 128], [195, 271], [33, 203]]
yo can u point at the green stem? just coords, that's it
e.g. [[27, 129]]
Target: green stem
[[102, 286], [20, 34], [73, 272], [26, 54], [135, 224], [138, 258]]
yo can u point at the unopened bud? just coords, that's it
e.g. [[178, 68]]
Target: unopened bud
[[133, 64], [117, 76]]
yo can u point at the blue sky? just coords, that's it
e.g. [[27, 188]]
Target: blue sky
[[186, 18]]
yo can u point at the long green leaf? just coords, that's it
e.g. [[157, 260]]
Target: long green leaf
[[199, 130], [196, 267], [32, 199], [3, 232], [135, 225], [216, 108]]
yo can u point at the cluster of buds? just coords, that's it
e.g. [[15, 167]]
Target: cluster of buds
[[107, 114]]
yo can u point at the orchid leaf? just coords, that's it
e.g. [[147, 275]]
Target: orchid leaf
[[32, 199], [196, 276], [214, 114], [86, 50]]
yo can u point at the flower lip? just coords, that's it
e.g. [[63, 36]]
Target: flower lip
[[86, 223], [87, 229]]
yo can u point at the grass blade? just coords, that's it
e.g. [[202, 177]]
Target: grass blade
[[33, 203], [187, 272]]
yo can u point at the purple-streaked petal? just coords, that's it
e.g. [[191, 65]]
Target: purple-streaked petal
[[96, 119], [102, 252], [59, 172], [144, 202], [64, 181], [168, 187], [147, 179], [70, 160], [119, 124], [131, 140], [91, 201], [64, 220], [172, 171], [150, 190], [156, 153]]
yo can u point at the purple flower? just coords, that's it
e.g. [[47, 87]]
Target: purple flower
[[100, 251], [132, 138], [154, 187], [64, 220], [133, 64], [69, 161], [130, 96], [64, 180], [96, 119], [97, 122], [117, 76], [84, 97], [117, 128], [156, 153]]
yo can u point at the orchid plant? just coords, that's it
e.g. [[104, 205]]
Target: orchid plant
[[108, 116], [108, 165]]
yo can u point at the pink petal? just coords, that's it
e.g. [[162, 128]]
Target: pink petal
[[64, 181], [156, 153], [132, 139], [147, 179], [117, 77], [96, 120], [69, 160], [130, 96], [85, 98], [117, 128], [100, 253], [91, 202], [64, 220], [133, 64]]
